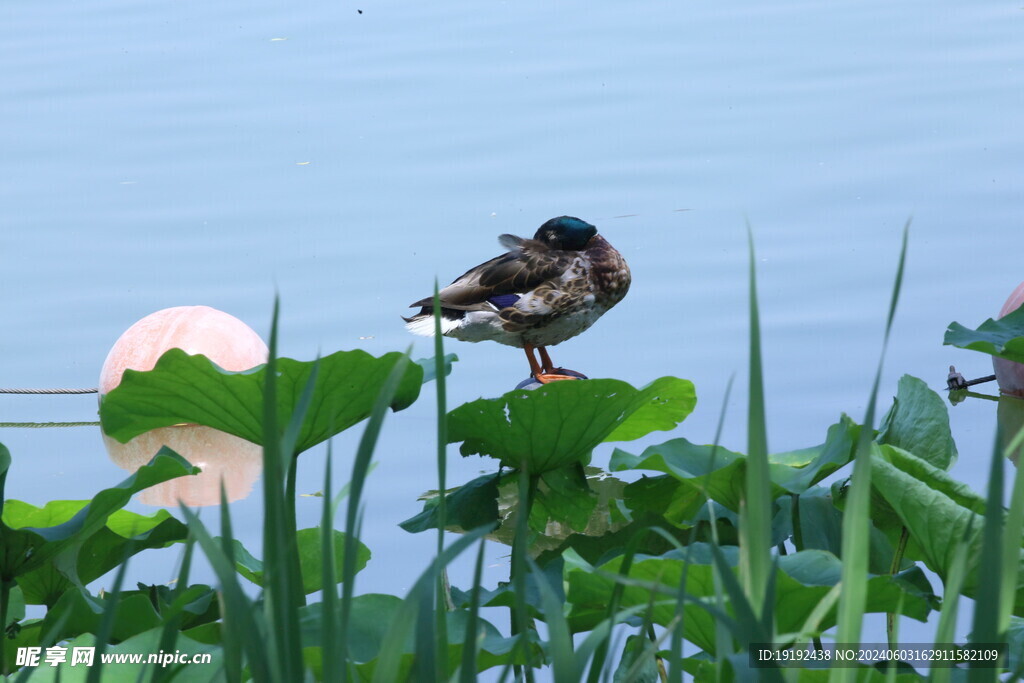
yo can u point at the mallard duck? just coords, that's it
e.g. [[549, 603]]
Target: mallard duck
[[539, 293]]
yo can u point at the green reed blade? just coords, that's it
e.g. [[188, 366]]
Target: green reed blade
[[564, 667], [988, 600], [169, 634], [234, 637], [331, 654], [360, 469], [107, 623], [440, 602], [856, 516], [389, 656], [282, 595], [945, 632], [756, 513], [467, 673], [241, 629], [1012, 539]]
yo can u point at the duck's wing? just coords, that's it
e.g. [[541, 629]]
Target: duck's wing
[[526, 265]]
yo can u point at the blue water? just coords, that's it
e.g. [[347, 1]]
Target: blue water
[[171, 153]]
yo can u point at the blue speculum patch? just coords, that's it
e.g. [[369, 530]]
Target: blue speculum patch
[[504, 300]]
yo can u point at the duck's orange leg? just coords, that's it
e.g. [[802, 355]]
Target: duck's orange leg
[[535, 368], [545, 360], [546, 372]]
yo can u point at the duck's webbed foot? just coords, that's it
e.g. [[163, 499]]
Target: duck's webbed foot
[[545, 371], [558, 374]]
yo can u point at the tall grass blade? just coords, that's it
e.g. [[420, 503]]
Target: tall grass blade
[[563, 662], [675, 671], [289, 460], [520, 547], [242, 630], [282, 592], [467, 673], [426, 664], [392, 647], [811, 625], [290, 464], [894, 636], [360, 468], [856, 516], [755, 514], [441, 593], [601, 653], [946, 629], [107, 623], [675, 658], [675, 668], [330, 653], [732, 625], [233, 637], [1012, 538], [651, 652], [750, 627], [988, 601], [172, 623]]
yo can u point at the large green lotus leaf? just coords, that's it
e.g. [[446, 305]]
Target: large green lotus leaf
[[589, 520], [677, 500], [822, 525], [563, 500], [467, 507], [919, 422], [802, 580], [193, 389], [124, 523], [797, 471], [18, 514], [718, 473], [701, 472], [310, 559], [1003, 338], [937, 511], [29, 548], [662, 405], [124, 535], [560, 423], [566, 500], [196, 605]]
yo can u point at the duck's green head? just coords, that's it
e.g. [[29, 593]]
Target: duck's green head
[[565, 232]]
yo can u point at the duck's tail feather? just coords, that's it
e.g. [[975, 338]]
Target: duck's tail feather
[[423, 322]]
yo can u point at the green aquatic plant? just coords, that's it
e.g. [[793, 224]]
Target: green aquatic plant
[[1002, 338], [559, 424], [678, 560], [53, 551], [193, 389]]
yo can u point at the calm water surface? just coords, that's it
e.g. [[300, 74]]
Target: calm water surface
[[173, 153]]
